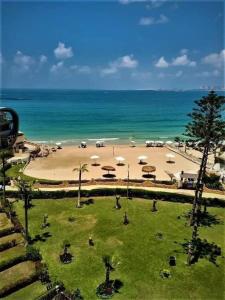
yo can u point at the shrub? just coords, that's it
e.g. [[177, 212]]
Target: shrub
[[139, 193], [9, 263], [33, 253], [15, 286], [7, 245], [6, 231]]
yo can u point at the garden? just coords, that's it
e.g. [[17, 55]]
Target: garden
[[126, 248]]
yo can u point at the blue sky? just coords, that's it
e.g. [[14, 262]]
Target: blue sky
[[124, 44]]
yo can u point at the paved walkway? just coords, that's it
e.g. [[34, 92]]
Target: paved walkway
[[156, 189]]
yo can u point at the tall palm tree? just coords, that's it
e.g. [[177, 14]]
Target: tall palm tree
[[25, 189], [110, 264], [81, 169], [4, 155]]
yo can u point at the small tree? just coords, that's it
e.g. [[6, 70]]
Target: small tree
[[4, 155], [25, 189], [110, 264], [81, 169], [208, 128]]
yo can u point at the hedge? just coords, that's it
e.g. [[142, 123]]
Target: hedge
[[7, 245], [139, 193], [14, 261], [6, 231], [15, 286]]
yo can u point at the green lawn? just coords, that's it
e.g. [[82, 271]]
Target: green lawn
[[14, 236], [35, 289], [5, 223], [17, 273], [140, 253], [11, 253]]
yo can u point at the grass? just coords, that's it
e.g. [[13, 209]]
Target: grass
[[16, 273], [5, 223], [12, 253], [35, 289], [14, 236], [140, 253], [14, 172]]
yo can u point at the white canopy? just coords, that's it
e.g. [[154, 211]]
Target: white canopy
[[119, 158], [170, 155], [142, 157], [169, 142], [94, 157]]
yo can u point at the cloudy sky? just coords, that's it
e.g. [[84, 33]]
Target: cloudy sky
[[126, 44]]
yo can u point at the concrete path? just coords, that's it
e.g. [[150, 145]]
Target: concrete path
[[156, 189]]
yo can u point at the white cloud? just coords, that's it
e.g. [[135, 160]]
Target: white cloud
[[179, 73], [43, 59], [215, 59], [61, 52], [183, 60], [57, 67], [23, 62], [124, 62], [162, 63], [214, 73], [147, 21], [184, 51], [151, 3], [84, 69]]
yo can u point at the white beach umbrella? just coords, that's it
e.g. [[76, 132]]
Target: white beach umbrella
[[58, 144], [169, 142], [94, 157], [141, 158], [120, 159], [170, 156]]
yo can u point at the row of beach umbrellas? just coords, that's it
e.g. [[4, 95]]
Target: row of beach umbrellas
[[121, 159]]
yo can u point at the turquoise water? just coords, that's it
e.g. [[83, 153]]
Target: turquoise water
[[73, 115]]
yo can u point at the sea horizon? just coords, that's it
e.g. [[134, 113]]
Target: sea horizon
[[69, 116]]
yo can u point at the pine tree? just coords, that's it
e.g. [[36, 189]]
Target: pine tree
[[207, 127]]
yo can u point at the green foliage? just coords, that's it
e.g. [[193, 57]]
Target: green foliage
[[33, 253], [207, 123]]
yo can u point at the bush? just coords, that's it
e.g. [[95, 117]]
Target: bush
[[9, 263], [6, 231], [139, 193], [15, 286], [33, 253], [7, 245], [50, 182]]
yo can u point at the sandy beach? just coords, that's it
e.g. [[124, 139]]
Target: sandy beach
[[59, 165]]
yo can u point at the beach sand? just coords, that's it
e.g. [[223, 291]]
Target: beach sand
[[60, 164]]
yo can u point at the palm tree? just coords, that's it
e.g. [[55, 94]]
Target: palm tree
[[25, 189], [110, 264], [208, 128], [4, 155], [81, 169]]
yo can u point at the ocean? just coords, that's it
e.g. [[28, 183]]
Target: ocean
[[69, 116]]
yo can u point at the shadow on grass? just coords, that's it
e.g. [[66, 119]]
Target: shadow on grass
[[202, 249], [87, 202], [205, 219], [40, 237]]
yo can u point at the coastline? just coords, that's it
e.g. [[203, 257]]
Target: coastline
[[59, 165]]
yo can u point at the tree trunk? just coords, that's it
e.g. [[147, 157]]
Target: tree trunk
[[107, 276], [26, 217], [3, 181], [79, 190], [196, 207]]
